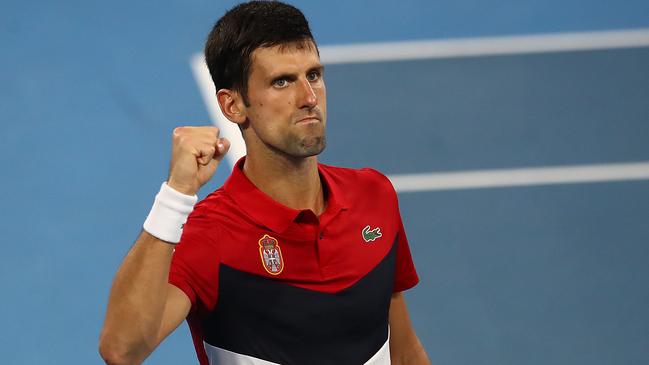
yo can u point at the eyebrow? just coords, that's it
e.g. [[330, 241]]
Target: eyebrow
[[318, 67]]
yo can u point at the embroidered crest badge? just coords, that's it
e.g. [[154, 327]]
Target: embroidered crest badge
[[271, 255]]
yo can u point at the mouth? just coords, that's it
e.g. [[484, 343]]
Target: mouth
[[308, 120]]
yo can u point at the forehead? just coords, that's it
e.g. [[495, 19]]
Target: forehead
[[293, 57]]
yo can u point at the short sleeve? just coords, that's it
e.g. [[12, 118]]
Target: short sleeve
[[405, 275], [195, 261]]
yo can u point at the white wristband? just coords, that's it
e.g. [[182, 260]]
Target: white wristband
[[169, 214]]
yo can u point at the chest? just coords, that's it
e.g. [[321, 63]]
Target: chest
[[275, 320], [325, 255]]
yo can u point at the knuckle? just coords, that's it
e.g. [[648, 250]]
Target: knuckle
[[207, 150], [213, 131], [179, 135]]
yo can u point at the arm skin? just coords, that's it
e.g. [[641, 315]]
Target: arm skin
[[405, 348], [143, 308]]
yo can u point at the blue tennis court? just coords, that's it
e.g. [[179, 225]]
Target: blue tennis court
[[529, 274], [534, 274]]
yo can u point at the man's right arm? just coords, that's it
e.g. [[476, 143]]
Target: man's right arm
[[143, 308]]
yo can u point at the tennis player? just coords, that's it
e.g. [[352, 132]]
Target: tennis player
[[291, 261]]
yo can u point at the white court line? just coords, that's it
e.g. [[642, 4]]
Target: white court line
[[484, 46], [520, 177], [466, 47]]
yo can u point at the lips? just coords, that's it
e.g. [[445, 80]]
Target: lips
[[313, 119]]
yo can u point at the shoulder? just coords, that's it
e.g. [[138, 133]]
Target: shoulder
[[359, 179], [214, 203], [210, 209]]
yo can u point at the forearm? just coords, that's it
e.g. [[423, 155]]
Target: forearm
[[137, 302], [414, 355], [136, 317], [405, 347]]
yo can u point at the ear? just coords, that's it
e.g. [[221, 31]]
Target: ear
[[232, 105]]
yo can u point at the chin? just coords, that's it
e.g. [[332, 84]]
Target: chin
[[313, 146]]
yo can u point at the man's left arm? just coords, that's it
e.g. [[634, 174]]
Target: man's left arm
[[405, 348]]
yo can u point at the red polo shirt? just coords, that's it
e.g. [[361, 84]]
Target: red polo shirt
[[261, 276]]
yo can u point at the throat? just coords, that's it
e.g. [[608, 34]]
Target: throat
[[299, 188]]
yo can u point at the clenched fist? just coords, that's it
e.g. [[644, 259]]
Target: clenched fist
[[195, 154]]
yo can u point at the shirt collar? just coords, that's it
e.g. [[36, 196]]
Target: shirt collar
[[266, 211]]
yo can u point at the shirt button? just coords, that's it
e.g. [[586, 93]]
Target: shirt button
[[321, 235]]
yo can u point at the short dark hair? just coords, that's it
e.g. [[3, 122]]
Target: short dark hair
[[244, 28]]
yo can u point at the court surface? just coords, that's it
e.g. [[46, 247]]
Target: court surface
[[545, 271]]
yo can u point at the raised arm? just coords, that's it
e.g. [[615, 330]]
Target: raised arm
[[143, 308]]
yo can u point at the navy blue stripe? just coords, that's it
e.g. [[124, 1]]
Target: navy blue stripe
[[267, 319]]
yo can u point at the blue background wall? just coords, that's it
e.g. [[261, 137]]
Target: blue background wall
[[547, 274]]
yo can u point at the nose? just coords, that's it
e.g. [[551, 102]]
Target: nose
[[307, 97]]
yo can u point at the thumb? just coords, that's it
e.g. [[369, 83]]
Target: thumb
[[222, 147], [205, 172]]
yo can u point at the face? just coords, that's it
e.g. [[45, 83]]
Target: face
[[287, 101]]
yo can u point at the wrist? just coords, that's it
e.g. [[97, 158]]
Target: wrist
[[181, 188], [169, 214]]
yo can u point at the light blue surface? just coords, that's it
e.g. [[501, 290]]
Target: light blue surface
[[91, 91]]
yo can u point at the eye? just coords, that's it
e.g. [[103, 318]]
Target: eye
[[313, 76], [280, 83]]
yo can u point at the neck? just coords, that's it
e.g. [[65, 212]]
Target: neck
[[293, 182]]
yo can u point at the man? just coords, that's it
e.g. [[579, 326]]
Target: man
[[291, 261]]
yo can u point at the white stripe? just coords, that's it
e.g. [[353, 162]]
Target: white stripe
[[381, 357], [227, 129], [520, 177], [484, 46], [219, 356]]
